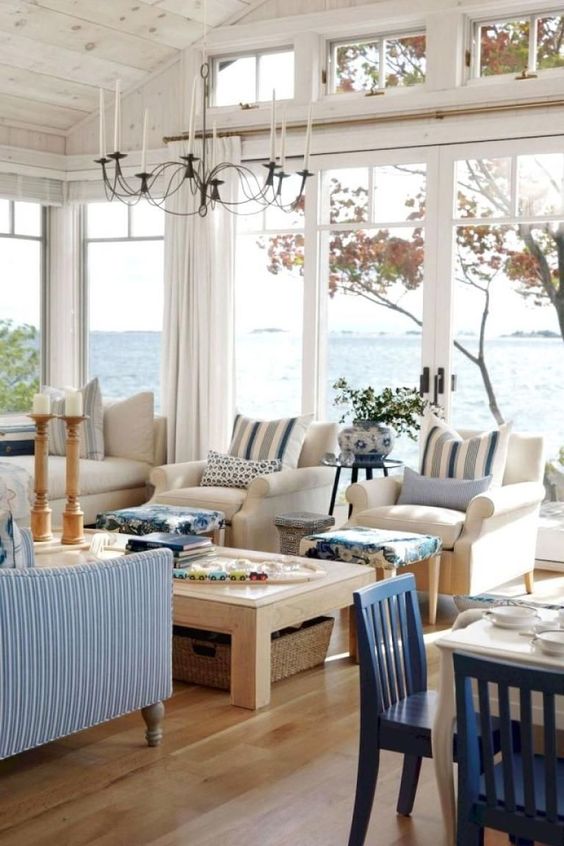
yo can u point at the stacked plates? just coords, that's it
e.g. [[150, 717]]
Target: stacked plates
[[550, 642], [512, 616]]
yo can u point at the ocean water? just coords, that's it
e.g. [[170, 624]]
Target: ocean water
[[528, 375]]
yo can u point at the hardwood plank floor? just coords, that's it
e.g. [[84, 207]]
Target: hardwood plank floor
[[282, 775]]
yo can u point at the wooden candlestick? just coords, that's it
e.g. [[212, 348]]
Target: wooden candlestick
[[40, 512], [73, 517]]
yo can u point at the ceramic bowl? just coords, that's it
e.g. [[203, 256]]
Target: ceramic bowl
[[511, 616], [551, 642]]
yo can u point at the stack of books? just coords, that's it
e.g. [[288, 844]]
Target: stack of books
[[185, 548]]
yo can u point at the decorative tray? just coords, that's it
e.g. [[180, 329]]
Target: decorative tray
[[242, 571]]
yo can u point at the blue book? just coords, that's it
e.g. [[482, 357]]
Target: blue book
[[169, 540]]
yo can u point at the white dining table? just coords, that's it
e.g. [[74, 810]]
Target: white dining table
[[478, 636]]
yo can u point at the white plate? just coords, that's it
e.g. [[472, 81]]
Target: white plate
[[551, 642], [511, 616]]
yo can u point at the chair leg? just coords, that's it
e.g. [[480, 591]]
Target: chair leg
[[153, 716], [408, 786], [529, 581], [469, 835], [520, 841], [367, 776]]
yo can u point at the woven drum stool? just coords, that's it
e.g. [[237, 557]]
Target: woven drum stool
[[295, 525]]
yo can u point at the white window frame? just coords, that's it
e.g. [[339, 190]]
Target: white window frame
[[247, 54], [475, 45], [381, 37]]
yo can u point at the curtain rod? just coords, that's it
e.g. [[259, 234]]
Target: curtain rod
[[435, 114]]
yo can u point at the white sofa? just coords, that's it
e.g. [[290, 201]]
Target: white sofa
[[132, 448]]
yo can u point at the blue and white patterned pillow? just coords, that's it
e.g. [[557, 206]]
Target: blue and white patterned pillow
[[91, 430], [16, 547], [446, 455], [440, 493], [228, 471], [261, 440]]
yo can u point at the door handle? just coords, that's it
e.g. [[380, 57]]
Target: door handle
[[440, 380], [425, 381]]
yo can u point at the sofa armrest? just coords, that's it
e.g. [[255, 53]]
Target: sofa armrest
[[290, 481], [373, 493], [504, 500], [170, 477]]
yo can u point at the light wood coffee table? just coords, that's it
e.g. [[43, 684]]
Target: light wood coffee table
[[249, 612]]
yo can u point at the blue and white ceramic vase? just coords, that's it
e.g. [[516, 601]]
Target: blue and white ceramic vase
[[369, 440]]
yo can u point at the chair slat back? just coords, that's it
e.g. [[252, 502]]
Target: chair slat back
[[390, 642], [525, 783]]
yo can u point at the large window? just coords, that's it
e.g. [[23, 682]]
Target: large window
[[124, 263], [372, 64], [269, 312], [21, 257], [252, 78], [521, 44]]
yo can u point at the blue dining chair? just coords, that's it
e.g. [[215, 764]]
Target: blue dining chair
[[396, 709], [520, 792]]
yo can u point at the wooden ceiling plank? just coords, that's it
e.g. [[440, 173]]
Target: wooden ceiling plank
[[22, 52], [47, 89], [43, 25], [217, 10], [136, 18], [32, 112]]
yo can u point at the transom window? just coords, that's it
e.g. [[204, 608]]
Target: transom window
[[375, 63], [251, 78], [524, 44]]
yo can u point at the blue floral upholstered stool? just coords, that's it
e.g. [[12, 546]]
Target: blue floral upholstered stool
[[386, 550], [143, 519]]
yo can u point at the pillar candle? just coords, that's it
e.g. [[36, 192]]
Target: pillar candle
[[117, 118], [73, 404], [41, 404], [102, 125], [144, 142]]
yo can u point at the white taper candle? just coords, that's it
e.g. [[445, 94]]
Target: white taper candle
[[117, 117], [283, 141], [214, 147], [102, 125], [144, 142], [273, 128], [308, 139], [192, 116]]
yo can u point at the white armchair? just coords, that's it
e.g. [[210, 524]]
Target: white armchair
[[492, 543], [250, 512]]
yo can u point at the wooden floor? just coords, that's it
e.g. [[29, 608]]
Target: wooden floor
[[283, 776]]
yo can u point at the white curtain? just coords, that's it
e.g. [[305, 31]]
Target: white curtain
[[197, 352]]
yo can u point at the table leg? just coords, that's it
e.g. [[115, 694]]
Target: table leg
[[434, 570], [441, 739], [389, 572], [354, 479], [368, 471], [334, 491], [250, 659], [353, 648]]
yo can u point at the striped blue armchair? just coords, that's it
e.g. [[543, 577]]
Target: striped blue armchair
[[82, 645]]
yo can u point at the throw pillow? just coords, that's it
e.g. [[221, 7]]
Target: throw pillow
[[442, 493], [129, 427], [13, 551], [228, 471], [91, 430], [446, 455], [266, 440]]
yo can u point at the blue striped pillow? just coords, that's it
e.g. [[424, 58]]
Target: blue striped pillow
[[446, 455], [268, 440], [91, 430], [440, 493]]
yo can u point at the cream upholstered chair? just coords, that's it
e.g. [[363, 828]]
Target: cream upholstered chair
[[491, 543], [250, 512]]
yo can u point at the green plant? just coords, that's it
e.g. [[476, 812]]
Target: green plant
[[400, 408]]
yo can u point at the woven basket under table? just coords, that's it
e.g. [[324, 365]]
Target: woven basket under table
[[205, 657]]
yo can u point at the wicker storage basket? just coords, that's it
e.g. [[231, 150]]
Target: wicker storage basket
[[203, 657]]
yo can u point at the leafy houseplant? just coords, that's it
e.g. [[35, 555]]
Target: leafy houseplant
[[377, 417]]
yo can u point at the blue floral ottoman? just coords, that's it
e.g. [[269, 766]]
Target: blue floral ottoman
[[162, 518], [380, 548]]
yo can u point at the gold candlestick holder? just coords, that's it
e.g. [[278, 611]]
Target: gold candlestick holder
[[41, 512], [73, 517]]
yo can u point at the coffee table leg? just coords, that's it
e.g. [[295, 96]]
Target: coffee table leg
[[250, 659], [434, 569], [353, 650]]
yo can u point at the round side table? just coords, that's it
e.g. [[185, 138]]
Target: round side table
[[368, 466], [295, 525]]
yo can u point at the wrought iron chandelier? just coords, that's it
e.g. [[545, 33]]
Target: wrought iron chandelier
[[204, 176]]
